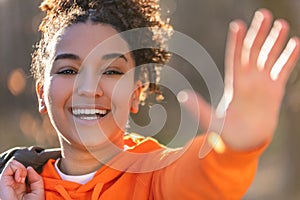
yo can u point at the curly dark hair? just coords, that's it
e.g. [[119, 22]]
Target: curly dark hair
[[123, 15]]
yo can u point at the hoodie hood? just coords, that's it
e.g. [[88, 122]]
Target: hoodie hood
[[121, 178]]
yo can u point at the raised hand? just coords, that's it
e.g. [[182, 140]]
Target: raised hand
[[258, 64], [13, 186]]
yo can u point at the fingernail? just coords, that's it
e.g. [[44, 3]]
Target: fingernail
[[182, 96], [277, 25], [234, 27], [23, 180], [259, 16], [292, 43]]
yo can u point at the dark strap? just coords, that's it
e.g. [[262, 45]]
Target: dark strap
[[35, 157]]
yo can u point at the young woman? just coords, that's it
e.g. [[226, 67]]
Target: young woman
[[89, 77]]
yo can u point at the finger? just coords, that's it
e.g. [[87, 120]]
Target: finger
[[286, 61], [237, 31], [197, 106], [35, 181], [273, 45], [236, 34], [255, 37], [17, 170]]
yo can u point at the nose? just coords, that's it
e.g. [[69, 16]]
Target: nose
[[88, 85]]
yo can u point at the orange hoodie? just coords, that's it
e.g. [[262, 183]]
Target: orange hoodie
[[150, 171]]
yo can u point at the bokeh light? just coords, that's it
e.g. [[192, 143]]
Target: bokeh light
[[40, 130], [16, 81], [28, 125]]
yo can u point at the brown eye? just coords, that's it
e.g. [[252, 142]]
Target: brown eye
[[113, 72], [67, 72]]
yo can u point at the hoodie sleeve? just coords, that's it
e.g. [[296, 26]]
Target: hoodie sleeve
[[225, 175]]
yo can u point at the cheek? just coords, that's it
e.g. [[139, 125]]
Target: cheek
[[120, 93], [57, 91]]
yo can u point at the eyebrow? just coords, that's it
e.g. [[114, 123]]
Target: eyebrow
[[114, 56], [66, 56], [75, 57]]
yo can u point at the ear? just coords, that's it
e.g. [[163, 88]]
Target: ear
[[135, 98], [39, 87]]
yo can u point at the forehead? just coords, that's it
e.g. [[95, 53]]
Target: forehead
[[85, 38]]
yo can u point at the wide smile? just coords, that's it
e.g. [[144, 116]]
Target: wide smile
[[89, 114]]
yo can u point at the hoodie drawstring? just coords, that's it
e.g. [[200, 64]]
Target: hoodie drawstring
[[62, 191], [95, 195], [97, 191]]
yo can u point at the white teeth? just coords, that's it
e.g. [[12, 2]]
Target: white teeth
[[82, 111], [89, 118]]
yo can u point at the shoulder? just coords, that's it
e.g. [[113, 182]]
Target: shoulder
[[29, 156], [138, 143]]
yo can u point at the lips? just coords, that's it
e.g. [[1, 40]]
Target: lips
[[89, 113]]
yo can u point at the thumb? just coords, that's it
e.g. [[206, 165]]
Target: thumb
[[196, 105], [35, 181]]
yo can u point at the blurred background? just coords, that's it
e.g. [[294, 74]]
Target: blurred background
[[278, 176]]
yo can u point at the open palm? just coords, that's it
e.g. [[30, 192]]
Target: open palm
[[258, 64]]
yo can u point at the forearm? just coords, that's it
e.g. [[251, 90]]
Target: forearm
[[225, 175]]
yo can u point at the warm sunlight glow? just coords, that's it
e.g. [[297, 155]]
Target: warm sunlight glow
[[216, 142]]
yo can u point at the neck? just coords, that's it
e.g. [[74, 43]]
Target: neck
[[79, 160]]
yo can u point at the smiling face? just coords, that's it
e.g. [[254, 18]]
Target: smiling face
[[89, 89]]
